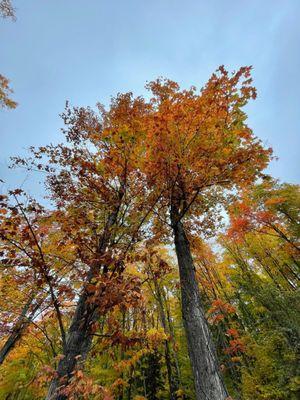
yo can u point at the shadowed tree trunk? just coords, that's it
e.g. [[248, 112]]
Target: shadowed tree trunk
[[79, 338], [19, 328], [78, 344], [207, 378]]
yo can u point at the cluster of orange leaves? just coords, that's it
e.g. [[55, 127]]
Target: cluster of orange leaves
[[246, 218], [218, 310], [83, 386]]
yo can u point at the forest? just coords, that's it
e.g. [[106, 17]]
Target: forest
[[164, 262]]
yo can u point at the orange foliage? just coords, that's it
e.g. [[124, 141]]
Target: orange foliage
[[218, 310]]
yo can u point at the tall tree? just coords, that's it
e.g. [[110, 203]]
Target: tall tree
[[199, 148], [158, 169], [101, 200], [263, 260], [34, 270]]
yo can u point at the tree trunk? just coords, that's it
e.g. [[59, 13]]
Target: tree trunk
[[171, 371], [19, 328], [79, 338], [172, 334], [78, 344], [207, 378]]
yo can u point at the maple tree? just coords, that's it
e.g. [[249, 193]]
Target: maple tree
[[102, 204], [199, 147], [119, 361], [97, 306]]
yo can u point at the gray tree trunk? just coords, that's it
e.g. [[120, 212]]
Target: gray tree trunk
[[78, 344], [79, 338], [207, 378]]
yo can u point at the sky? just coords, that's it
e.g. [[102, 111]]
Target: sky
[[86, 51]]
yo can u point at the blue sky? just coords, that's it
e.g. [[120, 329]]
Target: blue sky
[[85, 51]]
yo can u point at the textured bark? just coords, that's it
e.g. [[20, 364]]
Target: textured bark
[[207, 378], [79, 338], [78, 344]]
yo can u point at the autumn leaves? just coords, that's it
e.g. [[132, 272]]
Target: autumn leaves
[[141, 173]]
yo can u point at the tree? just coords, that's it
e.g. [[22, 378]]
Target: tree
[[146, 171], [157, 268], [101, 200], [34, 267], [199, 147], [263, 273]]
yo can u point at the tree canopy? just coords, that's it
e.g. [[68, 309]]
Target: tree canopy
[[115, 292]]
